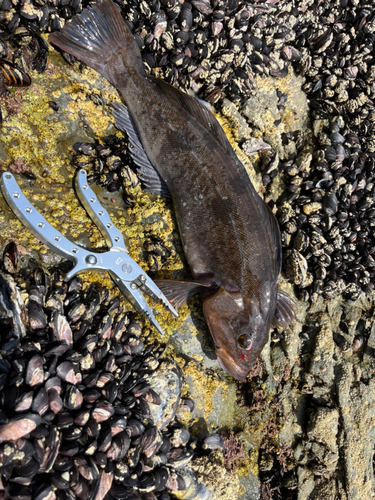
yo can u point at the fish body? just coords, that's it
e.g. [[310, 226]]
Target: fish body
[[230, 237]]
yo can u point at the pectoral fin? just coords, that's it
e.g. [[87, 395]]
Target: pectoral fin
[[178, 292], [286, 310]]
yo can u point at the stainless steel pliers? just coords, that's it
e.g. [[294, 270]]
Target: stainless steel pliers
[[125, 272]]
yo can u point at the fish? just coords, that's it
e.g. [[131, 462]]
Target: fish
[[230, 237]]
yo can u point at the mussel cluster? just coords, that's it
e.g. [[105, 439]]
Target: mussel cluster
[[108, 163], [327, 217], [327, 213], [86, 409]]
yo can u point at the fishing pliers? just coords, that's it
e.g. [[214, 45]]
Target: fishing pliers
[[126, 273]]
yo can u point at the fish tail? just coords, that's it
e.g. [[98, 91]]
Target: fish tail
[[100, 38]]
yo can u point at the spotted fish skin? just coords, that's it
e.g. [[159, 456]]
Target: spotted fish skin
[[230, 237]]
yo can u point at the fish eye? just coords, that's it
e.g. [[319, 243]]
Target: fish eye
[[245, 341]]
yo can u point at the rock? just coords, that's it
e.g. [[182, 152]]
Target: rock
[[268, 120], [323, 427], [242, 129], [357, 410]]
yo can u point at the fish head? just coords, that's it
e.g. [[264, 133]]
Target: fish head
[[238, 327]]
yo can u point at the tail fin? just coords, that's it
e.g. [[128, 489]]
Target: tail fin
[[100, 38]]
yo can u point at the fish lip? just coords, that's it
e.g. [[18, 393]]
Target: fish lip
[[231, 366]]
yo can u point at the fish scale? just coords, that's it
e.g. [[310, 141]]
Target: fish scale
[[230, 237]]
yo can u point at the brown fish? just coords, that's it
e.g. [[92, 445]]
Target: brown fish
[[230, 237]]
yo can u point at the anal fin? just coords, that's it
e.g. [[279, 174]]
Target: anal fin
[[152, 181]]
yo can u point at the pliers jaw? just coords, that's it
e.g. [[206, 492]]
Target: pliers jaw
[[125, 272]]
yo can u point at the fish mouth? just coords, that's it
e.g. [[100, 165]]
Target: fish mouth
[[228, 364]]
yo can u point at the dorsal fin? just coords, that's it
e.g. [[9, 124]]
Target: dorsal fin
[[151, 179], [200, 112]]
